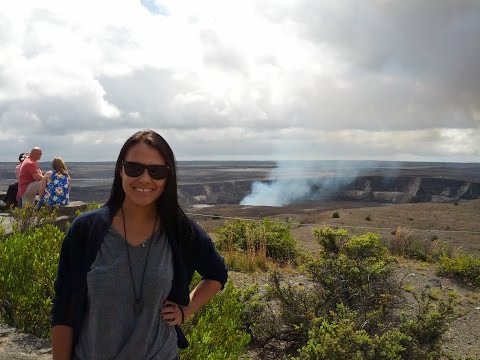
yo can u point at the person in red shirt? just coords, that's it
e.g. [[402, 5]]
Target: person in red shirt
[[29, 179]]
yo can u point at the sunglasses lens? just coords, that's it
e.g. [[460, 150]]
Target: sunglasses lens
[[133, 169], [158, 172]]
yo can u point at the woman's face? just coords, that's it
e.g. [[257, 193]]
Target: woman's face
[[143, 190]]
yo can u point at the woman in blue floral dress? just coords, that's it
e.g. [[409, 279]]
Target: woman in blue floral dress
[[56, 184]]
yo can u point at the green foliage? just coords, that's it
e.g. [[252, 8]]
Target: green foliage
[[266, 237], [356, 272], [335, 215], [348, 310], [298, 305], [2, 230], [28, 265], [28, 218], [216, 332], [364, 247], [258, 317], [464, 267], [90, 206], [427, 327], [339, 337], [331, 240]]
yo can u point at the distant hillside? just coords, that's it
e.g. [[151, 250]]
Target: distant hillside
[[229, 182]]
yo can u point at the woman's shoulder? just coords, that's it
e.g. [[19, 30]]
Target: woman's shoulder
[[88, 217]]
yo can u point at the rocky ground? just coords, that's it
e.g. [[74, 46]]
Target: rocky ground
[[17, 346]]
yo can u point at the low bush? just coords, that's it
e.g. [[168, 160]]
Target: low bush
[[245, 262], [259, 316], [405, 243], [339, 337], [464, 267], [28, 218], [28, 264], [90, 206], [217, 331], [426, 327], [259, 238], [401, 241], [348, 309]]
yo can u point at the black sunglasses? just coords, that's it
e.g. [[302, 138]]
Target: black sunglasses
[[134, 169]]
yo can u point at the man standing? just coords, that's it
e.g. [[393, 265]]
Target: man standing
[[29, 179]]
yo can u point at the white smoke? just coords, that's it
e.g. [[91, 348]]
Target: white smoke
[[277, 193], [292, 182]]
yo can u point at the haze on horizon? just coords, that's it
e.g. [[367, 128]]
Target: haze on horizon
[[243, 80]]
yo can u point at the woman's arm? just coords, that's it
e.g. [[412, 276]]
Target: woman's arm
[[62, 338], [43, 183], [202, 294]]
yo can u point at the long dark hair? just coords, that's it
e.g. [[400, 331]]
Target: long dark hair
[[172, 215]]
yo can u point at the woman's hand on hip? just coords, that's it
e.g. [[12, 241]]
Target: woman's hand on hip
[[172, 313]]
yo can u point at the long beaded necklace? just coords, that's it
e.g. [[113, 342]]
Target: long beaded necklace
[[138, 304]]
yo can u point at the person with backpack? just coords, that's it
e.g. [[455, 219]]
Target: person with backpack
[[10, 199]]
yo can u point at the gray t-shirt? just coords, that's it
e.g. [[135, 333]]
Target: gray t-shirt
[[110, 329]]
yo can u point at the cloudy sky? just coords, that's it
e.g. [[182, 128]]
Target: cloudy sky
[[221, 79]]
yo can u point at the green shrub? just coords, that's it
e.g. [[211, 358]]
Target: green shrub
[[245, 262], [264, 238], [90, 206], [298, 305], [28, 264], [28, 218], [464, 267], [2, 230], [216, 332], [427, 327], [339, 337], [354, 271], [348, 311], [335, 215], [331, 240], [259, 317]]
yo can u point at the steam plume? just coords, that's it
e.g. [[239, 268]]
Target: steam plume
[[292, 182]]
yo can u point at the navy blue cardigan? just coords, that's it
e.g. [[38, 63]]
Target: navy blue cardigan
[[79, 250]]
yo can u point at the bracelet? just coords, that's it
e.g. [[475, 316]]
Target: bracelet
[[183, 314]]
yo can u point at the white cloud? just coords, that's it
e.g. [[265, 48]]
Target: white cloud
[[232, 80]]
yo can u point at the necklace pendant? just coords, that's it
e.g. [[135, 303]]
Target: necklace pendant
[[137, 308]]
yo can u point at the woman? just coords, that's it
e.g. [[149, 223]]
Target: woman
[[122, 287], [55, 185]]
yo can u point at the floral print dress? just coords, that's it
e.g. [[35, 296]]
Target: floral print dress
[[57, 190]]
